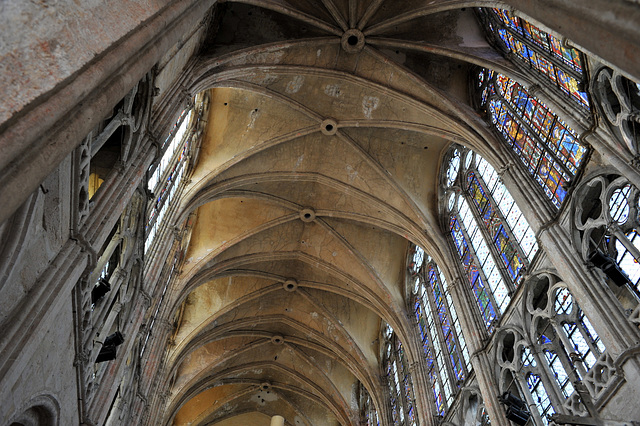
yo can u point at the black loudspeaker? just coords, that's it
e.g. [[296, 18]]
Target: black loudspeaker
[[100, 290], [515, 408], [108, 350]]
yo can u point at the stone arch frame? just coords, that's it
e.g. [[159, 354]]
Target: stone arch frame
[[618, 102], [593, 226], [540, 307], [39, 410], [13, 233], [131, 116], [471, 409], [512, 374]]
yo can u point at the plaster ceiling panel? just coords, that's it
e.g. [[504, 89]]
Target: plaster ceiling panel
[[220, 348], [214, 297], [293, 308], [222, 222], [347, 97], [438, 28], [318, 53], [201, 402], [234, 406], [329, 161], [381, 251], [411, 158], [241, 120], [301, 336], [316, 413], [251, 25], [331, 199], [254, 419], [360, 321], [287, 367], [312, 241], [390, 9], [208, 355], [313, 8], [448, 74]]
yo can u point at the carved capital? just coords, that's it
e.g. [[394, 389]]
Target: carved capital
[[81, 358], [146, 298]]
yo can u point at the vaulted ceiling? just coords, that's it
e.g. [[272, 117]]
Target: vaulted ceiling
[[327, 125]]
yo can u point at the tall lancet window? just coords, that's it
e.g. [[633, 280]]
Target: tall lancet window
[[445, 350], [557, 63], [167, 175], [368, 413], [491, 235], [548, 148], [396, 369]]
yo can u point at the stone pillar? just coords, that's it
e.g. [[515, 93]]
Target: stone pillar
[[476, 337], [484, 369], [620, 159], [277, 421]]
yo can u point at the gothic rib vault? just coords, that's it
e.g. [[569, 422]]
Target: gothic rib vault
[[320, 161]]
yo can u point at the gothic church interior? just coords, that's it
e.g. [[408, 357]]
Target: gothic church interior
[[320, 212]]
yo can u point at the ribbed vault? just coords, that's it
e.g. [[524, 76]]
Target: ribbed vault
[[326, 131]]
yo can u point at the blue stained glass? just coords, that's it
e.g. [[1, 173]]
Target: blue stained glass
[[553, 172], [398, 378], [552, 50], [543, 339]]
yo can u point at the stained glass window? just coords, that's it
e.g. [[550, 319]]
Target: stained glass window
[[166, 177], [547, 147], [368, 413], [535, 385], [491, 235], [544, 54], [399, 379], [445, 350]]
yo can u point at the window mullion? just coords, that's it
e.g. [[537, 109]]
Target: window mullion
[[530, 129], [493, 250], [549, 56], [403, 374], [588, 338], [442, 363], [503, 219], [483, 277], [454, 334], [574, 371], [453, 319]]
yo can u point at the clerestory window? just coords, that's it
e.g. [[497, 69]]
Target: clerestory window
[[396, 369], [546, 146], [447, 358], [544, 54], [491, 235], [166, 177]]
